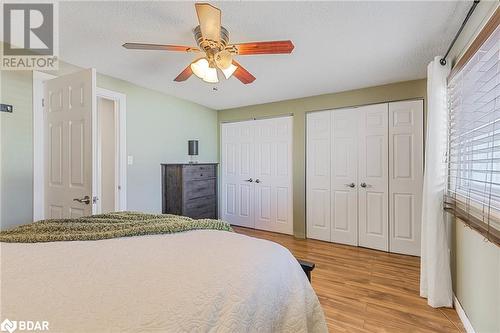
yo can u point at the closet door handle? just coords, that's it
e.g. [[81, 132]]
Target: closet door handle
[[257, 180], [250, 180], [351, 185], [363, 185]]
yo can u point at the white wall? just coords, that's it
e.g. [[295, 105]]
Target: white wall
[[17, 149]]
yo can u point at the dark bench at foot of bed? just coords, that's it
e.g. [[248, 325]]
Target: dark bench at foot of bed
[[307, 267]]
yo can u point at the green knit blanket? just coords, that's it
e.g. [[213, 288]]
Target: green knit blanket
[[105, 226]]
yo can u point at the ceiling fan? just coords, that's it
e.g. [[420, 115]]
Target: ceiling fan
[[213, 40]]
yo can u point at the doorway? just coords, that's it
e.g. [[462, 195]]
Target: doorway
[[107, 155], [108, 161]]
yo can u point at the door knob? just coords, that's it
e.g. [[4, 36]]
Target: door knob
[[257, 180], [249, 180], [85, 200], [351, 185], [363, 185]]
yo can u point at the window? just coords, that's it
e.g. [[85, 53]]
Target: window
[[473, 184]]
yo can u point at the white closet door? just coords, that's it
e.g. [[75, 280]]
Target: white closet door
[[373, 177], [405, 175], [273, 175], [344, 200], [318, 168], [237, 162]]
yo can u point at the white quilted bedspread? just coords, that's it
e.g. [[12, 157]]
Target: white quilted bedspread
[[197, 281]]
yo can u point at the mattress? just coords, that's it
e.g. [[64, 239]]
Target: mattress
[[195, 281]]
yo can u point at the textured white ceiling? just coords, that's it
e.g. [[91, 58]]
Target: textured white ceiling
[[338, 45]]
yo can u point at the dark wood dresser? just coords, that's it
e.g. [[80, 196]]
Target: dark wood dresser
[[189, 190]]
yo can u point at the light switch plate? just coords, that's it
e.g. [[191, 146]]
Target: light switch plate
[[130, 159]]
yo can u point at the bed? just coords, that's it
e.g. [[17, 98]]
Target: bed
[[194, 281]]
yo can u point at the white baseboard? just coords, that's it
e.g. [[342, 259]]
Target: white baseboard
[[463, 317]]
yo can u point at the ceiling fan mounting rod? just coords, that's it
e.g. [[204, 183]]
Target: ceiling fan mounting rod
[[211, 57]]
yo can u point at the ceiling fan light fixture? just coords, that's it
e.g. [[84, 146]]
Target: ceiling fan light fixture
[[199, 67], [229, 71], [211, 75]]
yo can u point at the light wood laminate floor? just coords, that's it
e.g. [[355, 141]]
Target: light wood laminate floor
[[363, 290]]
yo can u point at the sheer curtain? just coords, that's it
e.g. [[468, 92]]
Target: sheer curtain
[[435, 272]]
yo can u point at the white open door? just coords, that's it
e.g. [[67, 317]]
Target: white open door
[[237, 162], [373, 177], [69, 112], [344, 175]]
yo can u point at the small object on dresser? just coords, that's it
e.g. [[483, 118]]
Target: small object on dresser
[[190, 190], [193, 151]]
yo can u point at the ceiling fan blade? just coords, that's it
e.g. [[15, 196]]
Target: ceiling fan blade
[[210, 21], [242, 74], [271, 47], [144, 46], [185, 74]]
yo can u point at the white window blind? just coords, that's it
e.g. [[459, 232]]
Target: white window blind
[[473, 184]]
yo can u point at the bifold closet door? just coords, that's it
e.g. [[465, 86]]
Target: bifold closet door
[[318, 169], [406, 131], [373, 175], [365, 174], [344, 187], [237, 162], [256, 164]]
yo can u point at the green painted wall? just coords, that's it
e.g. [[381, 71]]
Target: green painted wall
[[16, 133], [475, 263], [299, 107], [477, 278], [158, 127]]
